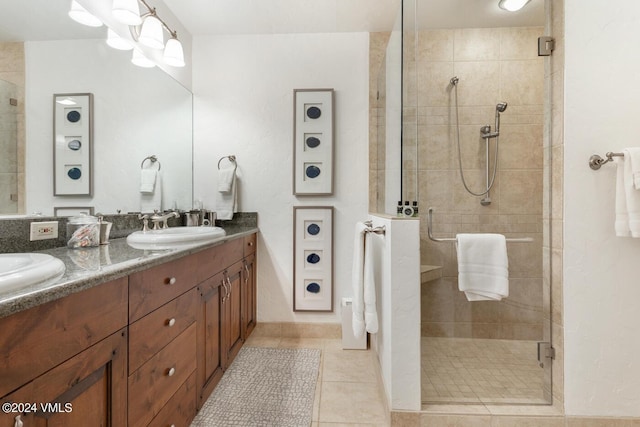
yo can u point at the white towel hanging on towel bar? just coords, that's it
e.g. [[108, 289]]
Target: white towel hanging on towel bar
[[365, 316]]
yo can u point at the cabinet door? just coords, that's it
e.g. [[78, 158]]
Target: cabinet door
[[90, 389], [249, 295], [209, 339], [232, 314]]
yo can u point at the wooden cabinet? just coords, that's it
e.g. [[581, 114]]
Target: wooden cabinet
[[143, 350], [249, 295], [209, 341], [227, 313], [71, 352], [231, 314]]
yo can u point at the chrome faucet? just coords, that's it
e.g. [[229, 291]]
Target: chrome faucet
[[156, 218], [145, 221]]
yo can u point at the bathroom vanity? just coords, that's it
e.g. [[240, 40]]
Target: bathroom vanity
[[141, 342]]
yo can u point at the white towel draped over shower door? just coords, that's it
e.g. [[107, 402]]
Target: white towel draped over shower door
[[365, 316], [483, 266]]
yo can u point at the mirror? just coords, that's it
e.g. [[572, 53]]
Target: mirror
[[137, 113]]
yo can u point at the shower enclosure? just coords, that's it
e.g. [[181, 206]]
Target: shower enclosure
[[467, 141]]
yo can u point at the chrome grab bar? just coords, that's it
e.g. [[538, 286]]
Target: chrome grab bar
[[453, 239]]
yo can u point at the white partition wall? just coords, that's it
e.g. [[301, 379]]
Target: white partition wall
[[397, 343]]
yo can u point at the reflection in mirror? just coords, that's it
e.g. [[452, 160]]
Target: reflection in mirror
[[137, 113], [9, 110]]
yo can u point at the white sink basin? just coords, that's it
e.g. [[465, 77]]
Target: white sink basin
[[24, 269], [174, 237]]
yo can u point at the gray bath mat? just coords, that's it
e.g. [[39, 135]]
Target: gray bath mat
[[264, 387]]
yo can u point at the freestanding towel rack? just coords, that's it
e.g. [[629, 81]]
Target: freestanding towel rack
[[453, 239]]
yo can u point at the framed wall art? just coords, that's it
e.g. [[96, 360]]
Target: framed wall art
[[313, 258], [313, 141], [72, 144]]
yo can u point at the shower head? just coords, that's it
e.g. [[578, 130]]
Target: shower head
[[501, 107]]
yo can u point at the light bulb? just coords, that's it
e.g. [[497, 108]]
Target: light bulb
[[173, 53], [512, 5], [82, 16], [151, 33], [117, 42], [141, 61], [126, 12]]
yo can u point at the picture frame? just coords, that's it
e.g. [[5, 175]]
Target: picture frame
[[313, 258], [313, 142], [72, 144]]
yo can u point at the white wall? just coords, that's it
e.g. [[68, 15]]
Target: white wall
[[137, 112], [397, 343], [601, 271], [243, 105]]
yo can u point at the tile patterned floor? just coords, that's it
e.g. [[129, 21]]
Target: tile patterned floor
[[348, 392], [472, 370]]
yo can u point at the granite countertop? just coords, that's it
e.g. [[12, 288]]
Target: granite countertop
[[86, 268]]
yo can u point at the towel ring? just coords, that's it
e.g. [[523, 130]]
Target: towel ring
[[153, 160], [231, 158]]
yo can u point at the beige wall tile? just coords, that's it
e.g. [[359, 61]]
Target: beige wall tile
[[521, 191], [433, 84], [476, 44], [519, 42], [522, 82], [520, 146], [479, 83], [435, 45]]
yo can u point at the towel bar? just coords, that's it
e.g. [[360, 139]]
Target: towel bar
[[231, 158], [453, 239], [596, 162], [371, 229], [153, 159]]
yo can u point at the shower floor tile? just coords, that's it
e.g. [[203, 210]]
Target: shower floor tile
[[474, 370]]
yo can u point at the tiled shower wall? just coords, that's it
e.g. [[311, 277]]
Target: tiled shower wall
[[12, 171], [493, 65]]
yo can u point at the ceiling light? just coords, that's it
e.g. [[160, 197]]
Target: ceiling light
[[117, 42], [512, 5], [173, 53], [141, 61], [151, 34], [82, 16], [126, 12]]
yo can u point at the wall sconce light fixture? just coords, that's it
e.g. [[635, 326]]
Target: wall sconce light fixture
[[147, 29]]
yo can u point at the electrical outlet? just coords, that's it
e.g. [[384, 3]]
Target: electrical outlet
[[43, 230]]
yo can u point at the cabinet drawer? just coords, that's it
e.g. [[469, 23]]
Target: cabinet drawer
[[149, 289], [151, 386], [216, 259], [35, 340], [250, 244], [180, 410], [155, 330]]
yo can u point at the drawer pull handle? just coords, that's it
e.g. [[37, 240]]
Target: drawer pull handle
[[229, 283], [171, 322], [171, 372], [170, 281], [250, 243]]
